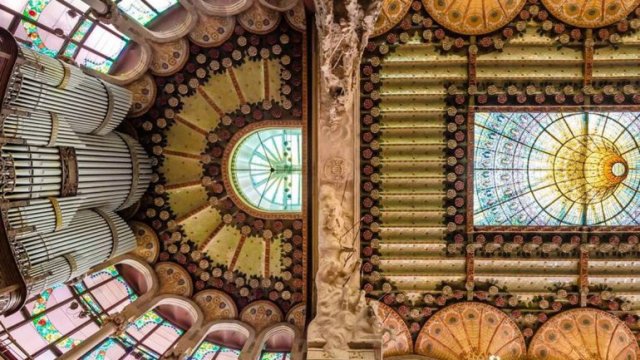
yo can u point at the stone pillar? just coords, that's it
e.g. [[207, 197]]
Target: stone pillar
[[344, 324]]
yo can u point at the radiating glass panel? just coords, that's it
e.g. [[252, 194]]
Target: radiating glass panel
[[266, 169], [559, 169]]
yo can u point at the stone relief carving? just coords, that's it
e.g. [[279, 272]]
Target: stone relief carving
[[343, 314], [344, 27]]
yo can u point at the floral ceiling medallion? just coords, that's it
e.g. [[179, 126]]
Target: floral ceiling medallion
[[473, 17], [591, 13]]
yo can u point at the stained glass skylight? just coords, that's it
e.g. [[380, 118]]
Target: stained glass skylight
[[66, 28], [145, 11], [148, 337], [210, 351], [63, 316], [556, 169], [266, 169]]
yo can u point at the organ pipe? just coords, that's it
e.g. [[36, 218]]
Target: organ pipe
[[90, 105], [63, 172], [110, 171], [92, 237]]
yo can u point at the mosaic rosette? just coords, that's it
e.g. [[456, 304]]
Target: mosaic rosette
[[584, 334], [591, 13], [470, 331], [473, 17]]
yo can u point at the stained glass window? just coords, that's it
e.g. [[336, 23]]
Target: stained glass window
[[63, 28], [63, 316], [145, 11], [149, 337], [272, 355], [266, 169], [210, 351], [559, 169]]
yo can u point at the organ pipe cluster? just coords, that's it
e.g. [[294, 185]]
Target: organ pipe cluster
[[64, 171]]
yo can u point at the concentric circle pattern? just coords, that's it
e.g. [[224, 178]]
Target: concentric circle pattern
[[549, 169], [470, 331], [584, 334], [590, 13], [473, 17]]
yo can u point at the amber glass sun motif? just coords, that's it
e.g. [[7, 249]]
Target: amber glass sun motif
[[556, 169]]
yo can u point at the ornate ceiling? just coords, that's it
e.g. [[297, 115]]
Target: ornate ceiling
[[431, 72], [230, 76]]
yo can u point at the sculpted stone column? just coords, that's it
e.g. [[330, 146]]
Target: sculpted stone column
[[344, 325]]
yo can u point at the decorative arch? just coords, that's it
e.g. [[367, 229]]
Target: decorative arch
[[238, 153], [62, 317], [152, 334], [469, 329], [267, 351], [584, 333], [221, 348]]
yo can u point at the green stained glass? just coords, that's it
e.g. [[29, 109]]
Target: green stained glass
[[99, 66], [82, 30], [143, 13], [268, 355], [150, 317], [101, 352], [556, 169], [43, 325], [70, 51], [32, 11], [206, 350], [266, 169]]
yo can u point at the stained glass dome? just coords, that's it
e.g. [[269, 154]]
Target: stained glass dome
[[560, 169], [266, 169]]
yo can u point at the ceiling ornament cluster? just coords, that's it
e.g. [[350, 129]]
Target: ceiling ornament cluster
[[591, 14], [584, 334], [474, 330], [202, 229], [450, 24], [206, 25], [473, 17], [419, 248]]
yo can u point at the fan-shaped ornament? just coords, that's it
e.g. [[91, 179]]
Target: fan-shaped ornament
[[591, 13], [473, 17], [584, 334], [390, 15], [470, 331]]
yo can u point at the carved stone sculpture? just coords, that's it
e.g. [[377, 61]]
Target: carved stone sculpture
[[343, 316], [344, 27], [342, 311]]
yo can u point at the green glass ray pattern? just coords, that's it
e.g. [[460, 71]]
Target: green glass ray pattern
[[266, 169]]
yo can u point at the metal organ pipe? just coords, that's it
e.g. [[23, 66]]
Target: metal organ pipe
[[63, 171], [90, 105], [92, 237], [111, 171]]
